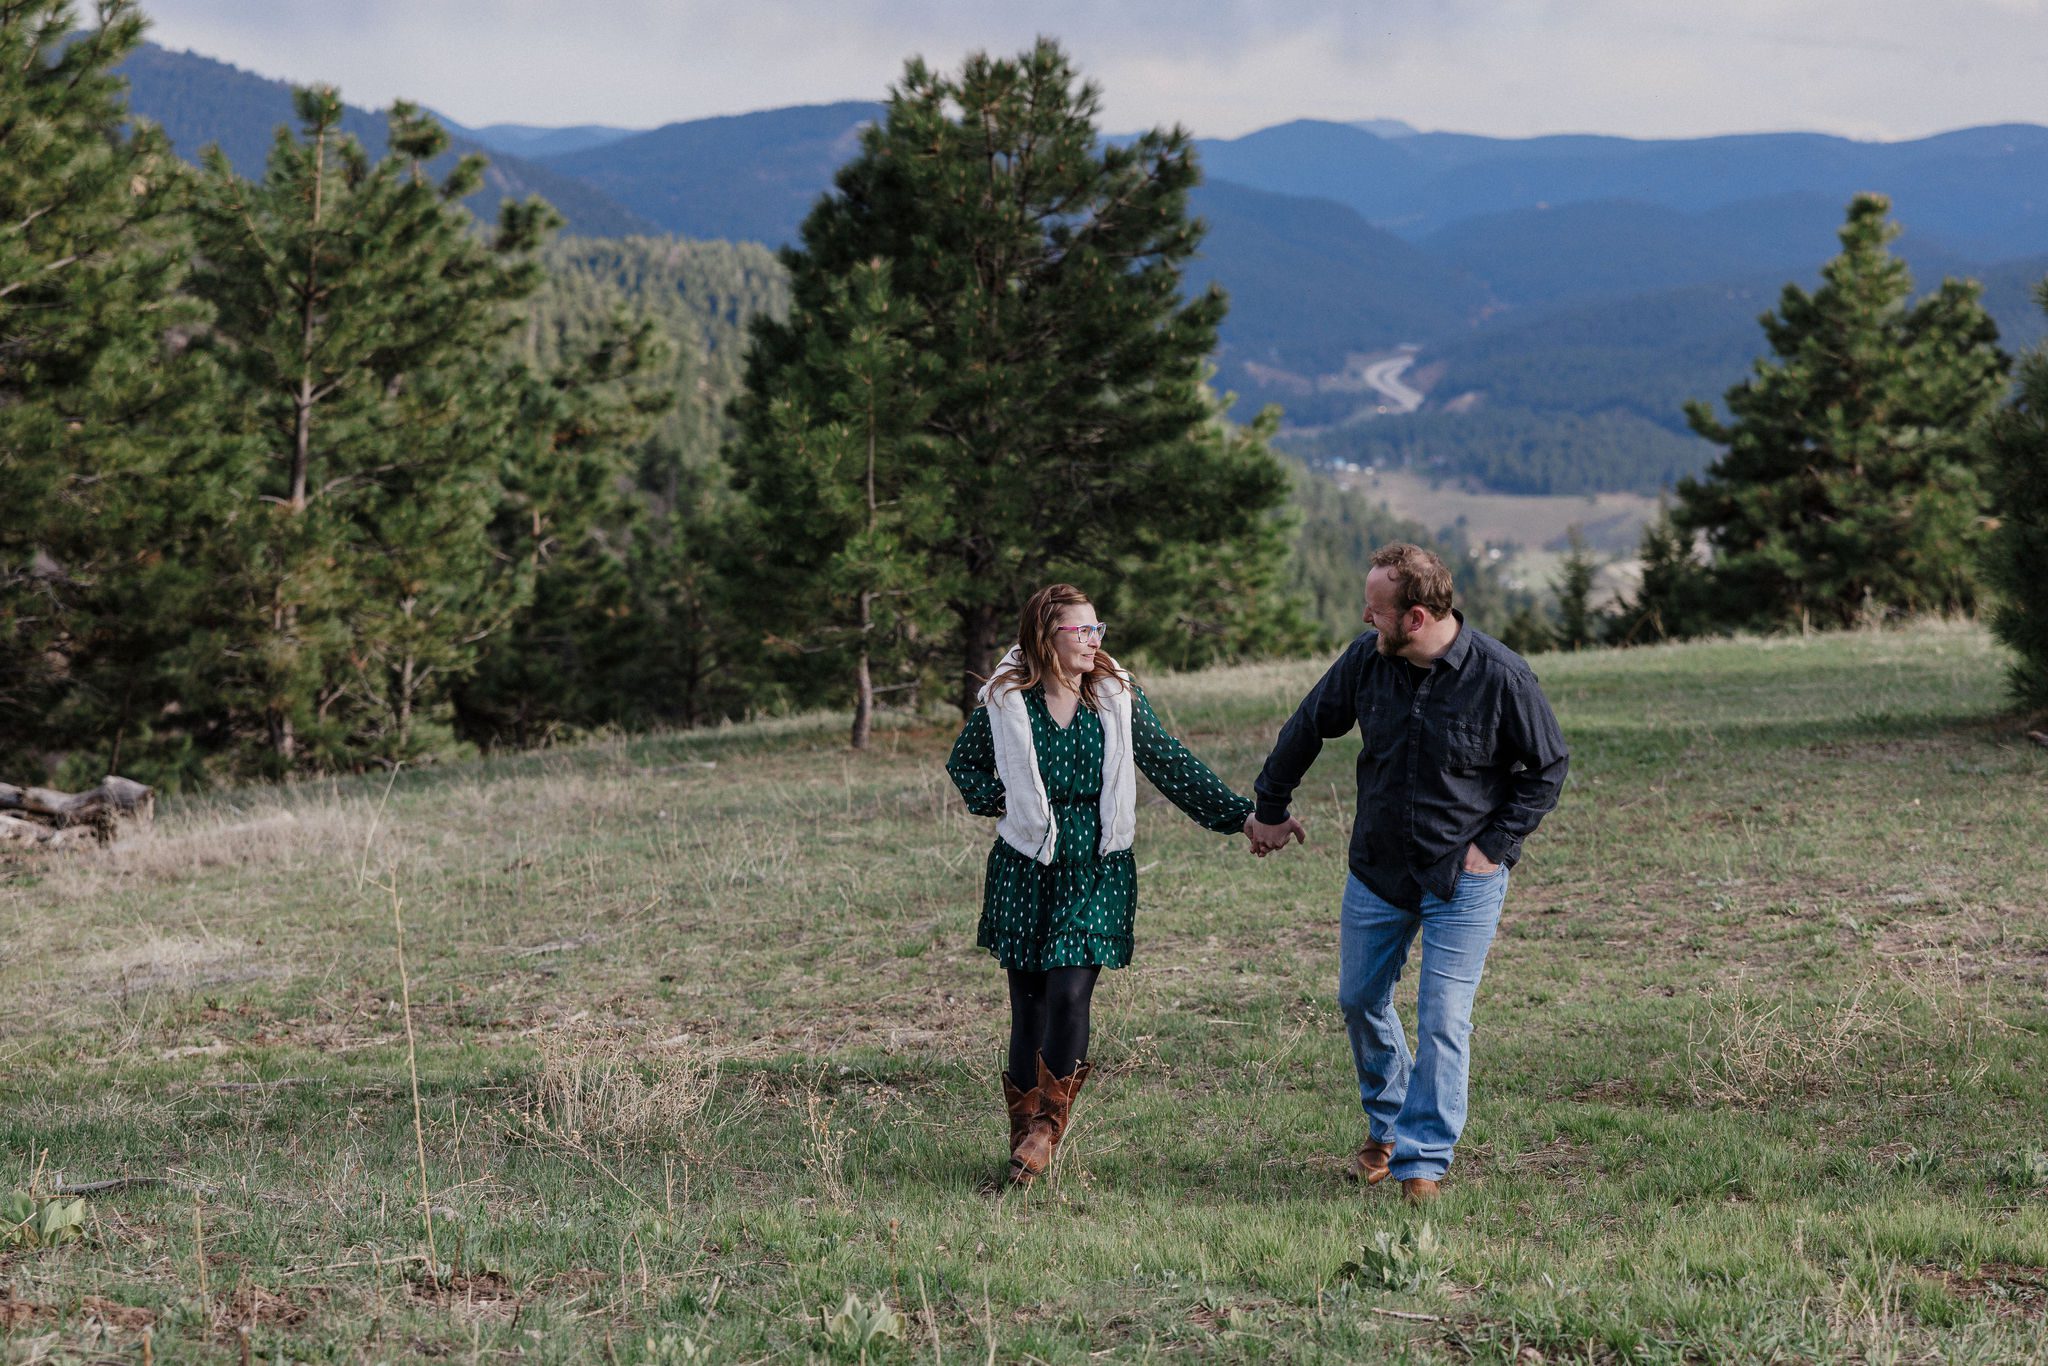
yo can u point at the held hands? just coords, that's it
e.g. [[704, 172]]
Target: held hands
[[1268, 838]]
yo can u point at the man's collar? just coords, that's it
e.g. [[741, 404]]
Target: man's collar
[[1462, 646]]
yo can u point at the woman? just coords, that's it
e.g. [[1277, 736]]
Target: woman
[[1052, 751]]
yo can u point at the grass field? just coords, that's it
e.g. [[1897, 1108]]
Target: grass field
[[706, 1058]]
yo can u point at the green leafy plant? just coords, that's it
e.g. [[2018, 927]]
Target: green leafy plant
[[2024, 1169], [1410, 1261], [28, 1221], [676, 1349], [856, 1324]]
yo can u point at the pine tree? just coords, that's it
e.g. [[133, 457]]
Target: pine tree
[[1670, 602], [1577, 621], [1848, 485], [102, 410], [2016, 552], [1040, 264], [641, 627], [570, 513], [364, 324]]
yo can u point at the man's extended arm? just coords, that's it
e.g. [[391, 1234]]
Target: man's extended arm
[[1329, 710], [1530, 735]]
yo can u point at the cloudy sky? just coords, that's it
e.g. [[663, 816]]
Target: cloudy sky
[[1652, 68]]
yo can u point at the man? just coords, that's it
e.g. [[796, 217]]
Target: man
[[1462, 758]]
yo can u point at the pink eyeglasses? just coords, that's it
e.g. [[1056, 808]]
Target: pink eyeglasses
[[1095, 632]]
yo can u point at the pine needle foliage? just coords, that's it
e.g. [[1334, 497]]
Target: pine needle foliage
[[2016, 552], [1848, 487], [100, 404], [1068, 426]]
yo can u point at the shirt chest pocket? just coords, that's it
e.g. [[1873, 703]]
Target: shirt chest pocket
[[1464, 744]]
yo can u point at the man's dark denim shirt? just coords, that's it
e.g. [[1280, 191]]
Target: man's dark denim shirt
[[1470, 755]]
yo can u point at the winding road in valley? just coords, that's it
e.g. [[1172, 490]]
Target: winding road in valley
[[1385, 378]]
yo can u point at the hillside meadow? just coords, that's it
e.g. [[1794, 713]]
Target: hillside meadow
[[702, 1060]]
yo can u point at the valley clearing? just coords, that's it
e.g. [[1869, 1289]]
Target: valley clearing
[[706, 1058], [1535, 526]]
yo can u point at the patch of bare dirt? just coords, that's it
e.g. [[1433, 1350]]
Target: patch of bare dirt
[[252, 1304], [481, 1294], [1558, 1158], [1612, 1091], [14, 1312], [132, 1317], [1967, 943]]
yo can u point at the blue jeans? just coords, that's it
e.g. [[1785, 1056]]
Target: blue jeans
[[1419, 1099]]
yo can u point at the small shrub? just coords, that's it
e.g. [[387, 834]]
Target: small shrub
[[29, 1221], [854, 1326], [825, 1150], [2024, 1169], [1411, 1261], [598, 1089], [1745, 1053]]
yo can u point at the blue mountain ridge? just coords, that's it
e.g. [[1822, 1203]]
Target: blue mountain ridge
[[200, 102], [1577, 274]]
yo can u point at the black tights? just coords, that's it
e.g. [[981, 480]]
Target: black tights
[[1049, 1016]]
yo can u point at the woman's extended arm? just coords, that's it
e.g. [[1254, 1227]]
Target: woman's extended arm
[[1186, 781], [972, 766]]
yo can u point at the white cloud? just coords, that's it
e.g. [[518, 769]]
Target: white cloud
[[1878, 68]]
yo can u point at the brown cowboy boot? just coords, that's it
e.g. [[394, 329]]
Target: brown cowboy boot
[[1419, 1190], [1056, 1102], [1369, 1163], [1023, 1108]]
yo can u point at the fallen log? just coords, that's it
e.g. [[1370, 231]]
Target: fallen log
[[43, 816]]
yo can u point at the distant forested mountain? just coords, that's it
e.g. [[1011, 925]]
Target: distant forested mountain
[[1643, 354], [2011, 295], [199, 101], [1978, 190], [1573, 290], [1518, 450], [703, 296], [749, 178], [1308, 279], [530, 140]]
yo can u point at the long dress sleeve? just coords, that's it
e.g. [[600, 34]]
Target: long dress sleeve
[[972, 766], [1185, 781]]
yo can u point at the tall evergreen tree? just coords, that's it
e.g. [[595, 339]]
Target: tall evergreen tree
[[2016, 553], [363, 322], [570, 512], [1849, 481], [1670, 602], [1577, 621], [849, 489], [643, 627], [102, 411], [1040, 264]]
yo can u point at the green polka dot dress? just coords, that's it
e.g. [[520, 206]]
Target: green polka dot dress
[[1076, 911]]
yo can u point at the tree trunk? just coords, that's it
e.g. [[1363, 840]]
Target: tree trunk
[[983, 634], [863, 681], [863, 702], [302, 401]]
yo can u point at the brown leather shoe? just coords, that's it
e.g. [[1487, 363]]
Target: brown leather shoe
[[1419, 1190], [1023, 1108], [1033, 1154], [1369, 1163]]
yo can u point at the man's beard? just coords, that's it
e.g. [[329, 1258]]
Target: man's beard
[[1394, 641]]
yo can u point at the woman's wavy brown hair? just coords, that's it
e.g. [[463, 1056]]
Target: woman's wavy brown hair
[[1037, 628]]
